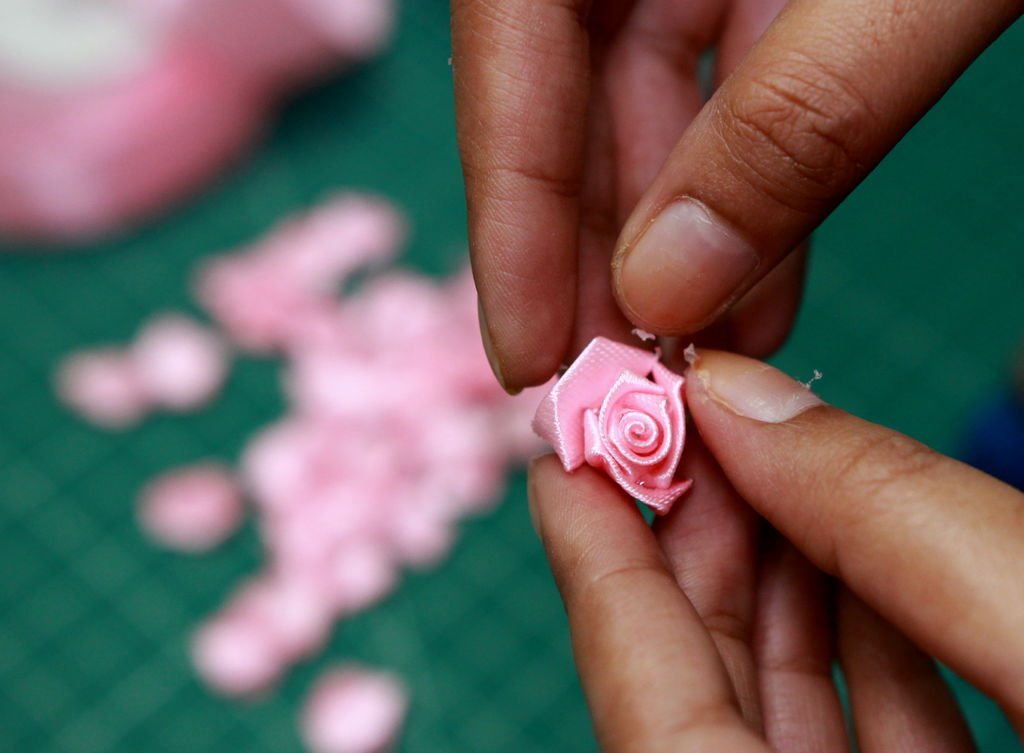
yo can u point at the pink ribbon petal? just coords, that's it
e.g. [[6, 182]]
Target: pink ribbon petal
[[559, 418]]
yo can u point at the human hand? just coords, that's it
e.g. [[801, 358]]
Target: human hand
[[584, 173], [687, 637]]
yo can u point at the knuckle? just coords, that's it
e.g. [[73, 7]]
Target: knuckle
[[679, 48], [727, 624], [797, 129], [551, 179], [868, 479], [511, 183], [798, 663], [611, 583], [881, 466]]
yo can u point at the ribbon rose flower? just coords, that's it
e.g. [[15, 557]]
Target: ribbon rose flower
[[619, 409]]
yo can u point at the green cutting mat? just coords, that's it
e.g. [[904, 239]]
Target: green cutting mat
[[914, 303]]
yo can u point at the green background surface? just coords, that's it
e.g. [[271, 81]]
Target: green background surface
[[914, 304]]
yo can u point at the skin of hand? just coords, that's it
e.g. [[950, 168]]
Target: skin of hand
[[713, 632], [604, 192]]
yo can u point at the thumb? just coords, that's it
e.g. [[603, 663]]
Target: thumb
[[931, 544], [829, 89]]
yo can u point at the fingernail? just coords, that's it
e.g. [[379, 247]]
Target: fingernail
[[684, 269], [755, 390], [485, 335]]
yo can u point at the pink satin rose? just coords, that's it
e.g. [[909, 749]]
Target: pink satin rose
[[617, 408]]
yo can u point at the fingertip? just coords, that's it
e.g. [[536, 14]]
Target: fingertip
[[540, 469], [702, 364], [682, 270], [745, 387], [493, 359], [524, 353], [518, 372]]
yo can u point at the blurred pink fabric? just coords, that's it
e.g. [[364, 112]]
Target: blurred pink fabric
[[236, 655], [180, 364], [279, 43], [80, 162], [283, 290], [103, 387], [393, 431], [84, 158], [192, 509], [175, 364], [353, 710]]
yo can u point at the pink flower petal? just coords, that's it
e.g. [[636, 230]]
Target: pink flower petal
[[318, 251], [192, 509], [559, 417], [630, 389], [351, 710], [420, 538], [254, 303], [103, 387], [276, 464], [356, 27], [673, 384], [292, 611], [180, 364], [360, 573], [235, 655]]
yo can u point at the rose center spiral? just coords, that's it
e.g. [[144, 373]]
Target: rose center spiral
[[640, 432]]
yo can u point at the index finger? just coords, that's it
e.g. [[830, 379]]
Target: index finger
[[934, 546], [652, 676], [521, 92]]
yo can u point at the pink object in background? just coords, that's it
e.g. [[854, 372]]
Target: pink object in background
[[112, 109], [235, 654], [394, 432], [77, 162], [192, 509], [421, 538], [283, 291], [319, 250], [276, 465], [617, 408], [291, 611], [253, 302], [175, 364], [180, 364], [355, 28], [352, 710], [279, 42], [103, 387], [359, 574]]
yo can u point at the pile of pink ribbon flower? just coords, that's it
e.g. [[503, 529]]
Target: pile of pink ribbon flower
[[395, 430]]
